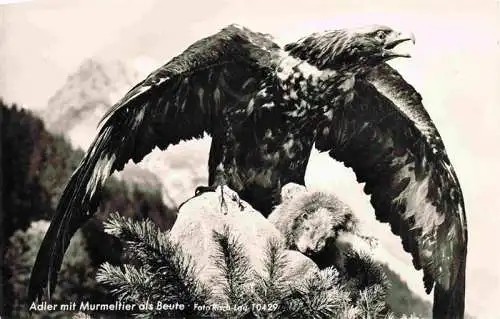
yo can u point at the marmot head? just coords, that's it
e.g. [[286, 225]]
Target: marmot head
[[323, 217]]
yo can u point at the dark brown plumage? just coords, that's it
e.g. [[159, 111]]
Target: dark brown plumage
[[265, 107]]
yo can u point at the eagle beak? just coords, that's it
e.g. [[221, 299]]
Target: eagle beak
[[393, 41]]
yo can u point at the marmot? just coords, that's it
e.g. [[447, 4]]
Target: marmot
[[315, 223]]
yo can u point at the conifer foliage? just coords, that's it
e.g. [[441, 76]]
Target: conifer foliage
[[77, 282], [35, 167], [158, 271]]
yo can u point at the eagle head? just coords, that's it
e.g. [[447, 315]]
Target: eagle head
[[377, 43], [354, 49]]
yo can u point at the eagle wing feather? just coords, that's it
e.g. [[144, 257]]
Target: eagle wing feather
[[181, 100], [387, 137]]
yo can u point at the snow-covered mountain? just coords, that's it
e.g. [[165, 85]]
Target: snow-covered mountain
[[76, 108], [87, 94]]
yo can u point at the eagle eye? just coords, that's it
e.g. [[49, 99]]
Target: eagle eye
[[381, 35]]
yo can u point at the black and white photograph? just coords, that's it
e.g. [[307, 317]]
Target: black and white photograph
[[250, 159]]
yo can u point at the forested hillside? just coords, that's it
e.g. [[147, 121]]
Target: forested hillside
[[35, 168]]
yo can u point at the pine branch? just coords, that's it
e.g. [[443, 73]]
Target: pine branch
[[234, 269], [271, 288], [318, 295], [362, 272], [372, 302], [275, 263], [129, 283], [172, 273], [162, 272]]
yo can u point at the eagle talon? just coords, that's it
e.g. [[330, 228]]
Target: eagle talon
[[236, 198]]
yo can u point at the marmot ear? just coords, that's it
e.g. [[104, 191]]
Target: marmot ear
[[290, 191]]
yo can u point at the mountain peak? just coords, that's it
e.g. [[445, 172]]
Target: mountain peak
[[89, 92]]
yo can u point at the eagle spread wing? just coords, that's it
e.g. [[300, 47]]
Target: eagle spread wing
[[179, 101], [388, 139]]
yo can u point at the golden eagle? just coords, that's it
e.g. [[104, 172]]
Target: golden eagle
[[265, 107]]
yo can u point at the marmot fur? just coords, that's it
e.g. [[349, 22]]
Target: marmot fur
[[313, 222]]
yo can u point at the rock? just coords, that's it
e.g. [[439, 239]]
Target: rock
[[201, 215], [298, 265]]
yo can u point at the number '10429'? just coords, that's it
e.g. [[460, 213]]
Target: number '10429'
[[265, 307]]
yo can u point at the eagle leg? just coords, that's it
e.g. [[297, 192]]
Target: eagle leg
[[220, 180], [227, 161]]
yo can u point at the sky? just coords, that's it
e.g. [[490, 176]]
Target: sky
[[455, 66]]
